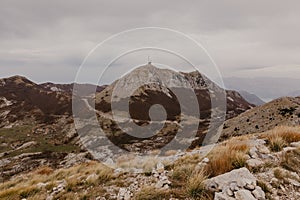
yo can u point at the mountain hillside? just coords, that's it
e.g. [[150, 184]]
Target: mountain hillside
[[161, 88], [282, 111]]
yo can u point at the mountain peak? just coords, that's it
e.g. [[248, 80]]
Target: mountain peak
[[16, 79]]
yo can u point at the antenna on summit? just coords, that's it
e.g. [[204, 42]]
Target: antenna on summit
[[149, 60]]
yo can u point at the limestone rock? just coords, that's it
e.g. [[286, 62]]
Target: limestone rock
[[244, 195], [254, 162], [259, 193]]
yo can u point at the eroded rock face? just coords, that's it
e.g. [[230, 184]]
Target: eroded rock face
[[237, 184]]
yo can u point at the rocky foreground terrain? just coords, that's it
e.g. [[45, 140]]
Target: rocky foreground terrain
[[43, 157], [257, 166]]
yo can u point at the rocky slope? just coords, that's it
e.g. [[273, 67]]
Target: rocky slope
[[282, 111], [36, 126], [256, 170]]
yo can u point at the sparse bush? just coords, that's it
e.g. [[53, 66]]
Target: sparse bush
[[231, 155], [287, 111], [44, 170], [239, 160], [195, 186], [281, 136], [277, 144], [290, 160], [181, 174], [278, 174]]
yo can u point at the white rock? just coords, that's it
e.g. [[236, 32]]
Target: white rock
[[263, 149], [239, 176], [244, 195], [249, 187], [123, 194], [253, 152], [259, 193], [160, 168], [289, 149], [205, 160], [294, 182], [41, 185], [254, 162], [221, 196], [295, 144], [92, 177]]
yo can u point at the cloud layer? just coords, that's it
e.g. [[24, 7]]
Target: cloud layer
[[48, 40]]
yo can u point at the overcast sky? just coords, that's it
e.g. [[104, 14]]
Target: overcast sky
[[48, 40]]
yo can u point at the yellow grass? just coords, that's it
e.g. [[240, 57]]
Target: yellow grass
[[195, 186], [27, 185], [226, 157], [281, 136], [151, 193]]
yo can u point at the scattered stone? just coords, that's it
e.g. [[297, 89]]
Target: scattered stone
[[205, 160], [221, 196], [229, 192], [26, 145], [252, 163], [259, 193], [41, 185], [289, 149], [124, 194], [293, 182], [295, 144], [250, 187], [244, 195], [58, 189], [253, 152], [160, 168], [92, 177]]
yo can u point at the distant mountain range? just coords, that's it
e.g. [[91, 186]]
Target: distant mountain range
[[251, 98], [265, 88]]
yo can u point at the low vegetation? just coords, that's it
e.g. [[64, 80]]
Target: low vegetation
[[195, 186], [13, 138], [290, 160], [151, 193], [281, 136], [36, 184], [187, 174], [228, 156]]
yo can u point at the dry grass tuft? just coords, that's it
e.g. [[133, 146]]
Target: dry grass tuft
[[290, 160], [226, 157], [195, 186], [281, 136], [181, 174], [44, 170], [151, 193]]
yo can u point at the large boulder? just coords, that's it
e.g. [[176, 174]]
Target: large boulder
[[237, 184]]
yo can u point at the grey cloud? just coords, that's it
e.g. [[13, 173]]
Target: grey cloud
[[38, 38]]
